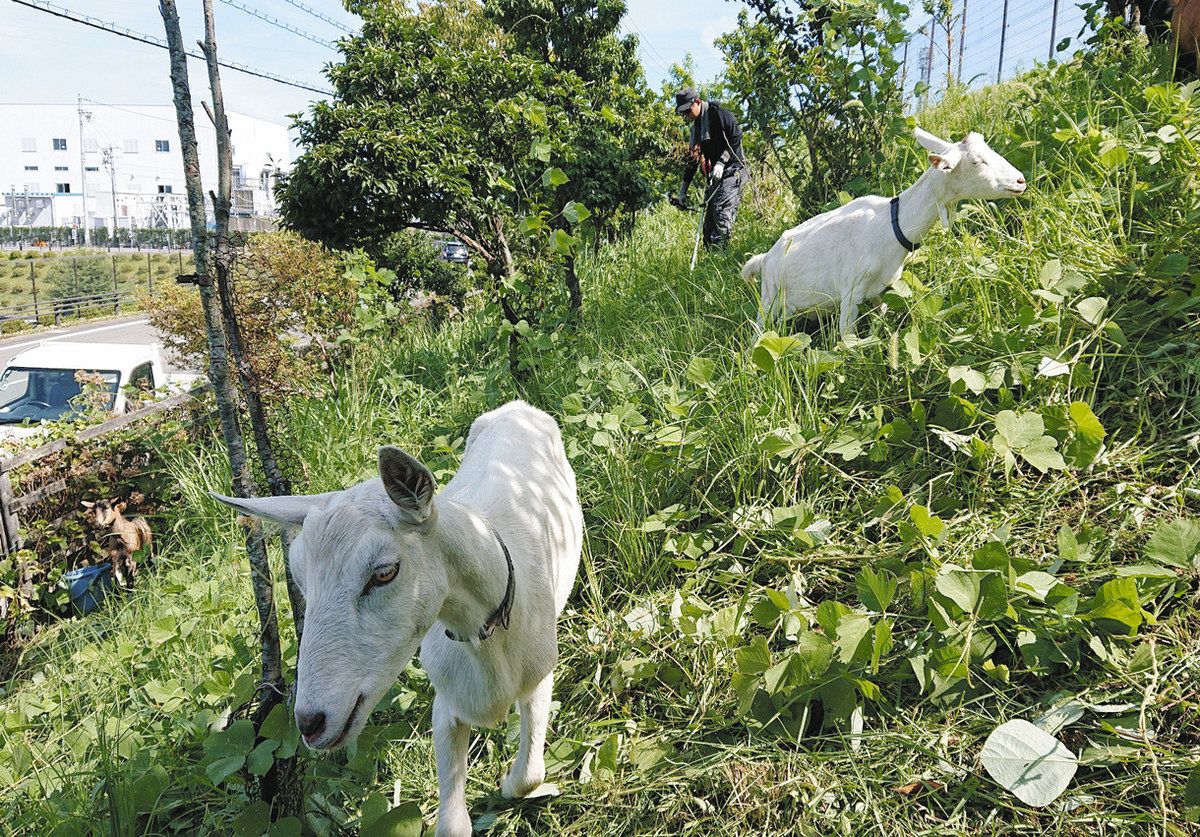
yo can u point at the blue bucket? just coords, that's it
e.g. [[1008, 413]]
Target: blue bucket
[[88, 585]]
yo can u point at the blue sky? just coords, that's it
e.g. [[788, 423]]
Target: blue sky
[[48, 59]]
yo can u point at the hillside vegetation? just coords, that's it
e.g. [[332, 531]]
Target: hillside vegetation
[[984, 509]]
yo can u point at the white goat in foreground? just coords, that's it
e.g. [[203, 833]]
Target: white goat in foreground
[[475, 576], [840, 258]]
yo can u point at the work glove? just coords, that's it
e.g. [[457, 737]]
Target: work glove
[[718, 171]]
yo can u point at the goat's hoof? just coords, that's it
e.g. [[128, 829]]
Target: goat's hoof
[[453, 824], [522, 787]]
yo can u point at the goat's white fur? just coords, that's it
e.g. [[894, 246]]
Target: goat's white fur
[[840, 258], [515, 479]]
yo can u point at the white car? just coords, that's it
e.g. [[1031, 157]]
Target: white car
[[47, 382]]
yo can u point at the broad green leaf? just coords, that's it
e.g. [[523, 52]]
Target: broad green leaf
[[815, 651], [928, 524], [839, 699], [700, 370], [540, 150], [881, 644], [1092, 309], [853, 641], [754, 658], [1089, 435], [1035, 766], [1191, 796], [1041, 453], [262, 757], [1050, 274], [1116, 604], [554, 177], [223, 767], [278, 724], [972, 379], [959, 586], [286, 827], [1176, 543], [1019, 431], [875, 589], [254, 820], [771, 347], [576, 212], [846, 446], [1036, 584]]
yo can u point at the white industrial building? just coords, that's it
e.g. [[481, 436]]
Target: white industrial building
[[126, 160]]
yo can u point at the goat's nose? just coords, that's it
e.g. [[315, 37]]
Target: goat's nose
[[311, 724], [1020, 180]]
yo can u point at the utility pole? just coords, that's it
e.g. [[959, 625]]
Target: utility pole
[[112, 179], [83, 114], [12, 212]]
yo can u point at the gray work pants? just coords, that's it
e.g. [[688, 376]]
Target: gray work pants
[[723, 198]]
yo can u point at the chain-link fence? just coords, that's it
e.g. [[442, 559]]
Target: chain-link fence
[[55, 287], [978, 42]]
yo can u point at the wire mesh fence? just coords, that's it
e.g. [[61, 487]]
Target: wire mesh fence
[[982, 42]]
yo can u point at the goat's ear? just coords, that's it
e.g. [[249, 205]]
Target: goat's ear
[[120, 506], [87, 504], [289, 511], [942, 162], [408, 483], [935, 145]]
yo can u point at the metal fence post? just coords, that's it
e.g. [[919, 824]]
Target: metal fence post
[[1053, 29], [1003, 33], [33, 287]]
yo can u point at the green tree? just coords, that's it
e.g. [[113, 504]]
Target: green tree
[[820, 75]]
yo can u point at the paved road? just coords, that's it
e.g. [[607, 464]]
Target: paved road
[[123, 330]]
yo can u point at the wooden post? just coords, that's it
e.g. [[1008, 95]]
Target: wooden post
[[962, 38], [149, 273], [11, 526], [116, 290]]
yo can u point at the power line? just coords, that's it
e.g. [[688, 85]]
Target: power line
[[114, 29], [320, 16], [274, 21]]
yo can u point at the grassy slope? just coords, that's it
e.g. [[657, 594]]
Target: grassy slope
[[111, 710]]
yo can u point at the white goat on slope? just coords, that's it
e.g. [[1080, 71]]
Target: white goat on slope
[[840, 258], [386, 566]]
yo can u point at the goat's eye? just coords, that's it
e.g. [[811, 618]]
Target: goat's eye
[[385, 574], [380, 577]]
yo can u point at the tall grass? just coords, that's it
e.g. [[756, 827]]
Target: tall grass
[[669, 421]]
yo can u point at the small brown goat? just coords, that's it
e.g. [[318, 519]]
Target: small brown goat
[[125, 537], [1185, 24]]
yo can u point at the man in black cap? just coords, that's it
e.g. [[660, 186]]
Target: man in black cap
[[716, 149]]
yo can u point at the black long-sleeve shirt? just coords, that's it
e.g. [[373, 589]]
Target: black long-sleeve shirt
[[724, 144]]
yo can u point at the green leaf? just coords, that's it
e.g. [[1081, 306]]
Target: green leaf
[[254, 820], [553, 177], [815, 651], [1116, 606], [1036, 584], [959, 586], [1050, 274], [221, 768], [540, 150], [839, 699], [853, 641], [562, 242], [575, 212], [929, 525], [771, 347], [1092, 309], [1176, 543], [1019, 431], [847, 447], [1089, 435], [754, 658], [973, 380], [286, 827], [882, 643], [875, 589], [1041, 454], [278, 723], [262, 757], [1191, 796], [700, 370], [402, 821], [1035, 766]]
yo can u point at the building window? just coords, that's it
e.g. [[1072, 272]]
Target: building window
[[162, 145], [130, 146], [164, 190], [61, 168], [91, 168], [60, 143], [62, 188], [31, 168], [90, 146], [28, 144]]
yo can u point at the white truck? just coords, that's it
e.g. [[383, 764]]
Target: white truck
[[48, 382]]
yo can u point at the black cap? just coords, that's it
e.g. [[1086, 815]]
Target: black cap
[[684, 99]]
